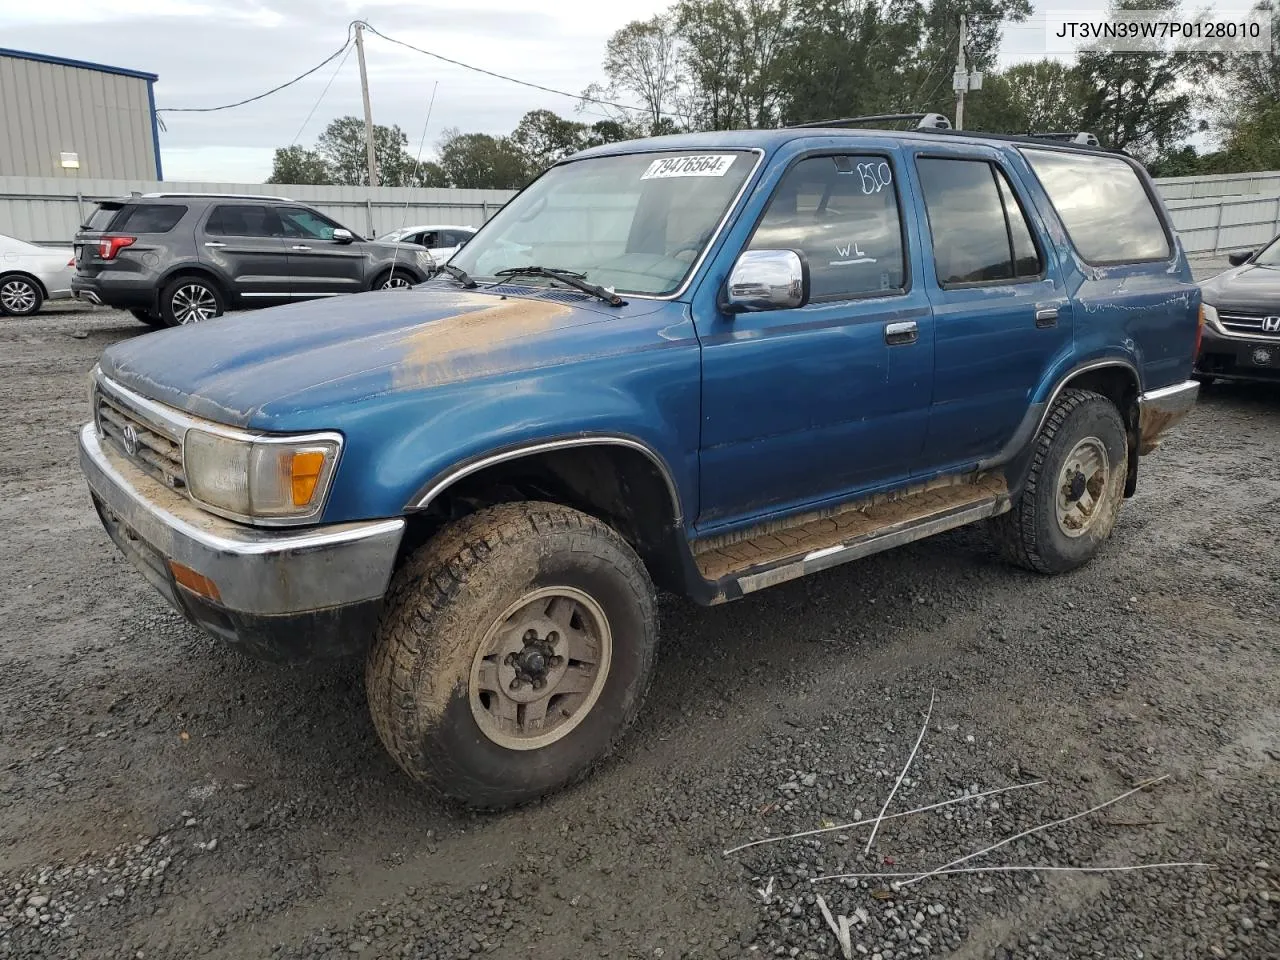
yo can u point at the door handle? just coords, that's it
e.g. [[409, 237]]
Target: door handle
[[1047, 317], [299, 246], [214, 243], [903, 331]]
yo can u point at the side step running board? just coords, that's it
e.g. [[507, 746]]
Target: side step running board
[[856, 531]]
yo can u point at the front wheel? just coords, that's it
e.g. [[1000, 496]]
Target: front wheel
[[514, 651], [19, 296], [1074, 487], [190, 300], [395, 280]]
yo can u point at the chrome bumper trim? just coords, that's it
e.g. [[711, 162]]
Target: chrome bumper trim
[[1160, 410], [260, 571]]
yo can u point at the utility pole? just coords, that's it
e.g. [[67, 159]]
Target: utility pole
[[961, 79], [368, 110]]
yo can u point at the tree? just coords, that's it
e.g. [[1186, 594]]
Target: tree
[[1036, 97], [642, 60], [731, 53], [477, 160], [544, 138], [1138, 102], [297, 164], [342, 145], [1246, 108]]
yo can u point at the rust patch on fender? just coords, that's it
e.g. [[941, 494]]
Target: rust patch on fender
[[474, 343]]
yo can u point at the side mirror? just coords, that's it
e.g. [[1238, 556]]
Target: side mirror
[[343, 235], [767, 280], [1236, 259]]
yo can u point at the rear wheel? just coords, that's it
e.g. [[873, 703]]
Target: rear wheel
[[1074, 488], [190, 299], [19, 296], [514, 651]]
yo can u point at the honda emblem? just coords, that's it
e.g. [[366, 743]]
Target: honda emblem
[[1271, 324]]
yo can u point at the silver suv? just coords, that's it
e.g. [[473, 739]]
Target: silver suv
[[176, 258]]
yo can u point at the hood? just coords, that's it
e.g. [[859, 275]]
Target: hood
[[1246, 287], [346, 348]]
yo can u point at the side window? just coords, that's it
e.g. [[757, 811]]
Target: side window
[[842, 213], [242, 220], [1103, 204], [306, 224], [979, 231], [430, 239], [151, 218], [455, 238]]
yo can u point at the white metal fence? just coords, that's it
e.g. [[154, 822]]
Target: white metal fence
[[48, 210], [1212, 214]]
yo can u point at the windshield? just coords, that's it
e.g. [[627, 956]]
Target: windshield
[[1270, 257], [393, 236], [635, 223]]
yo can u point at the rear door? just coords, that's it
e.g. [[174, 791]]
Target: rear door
[[1002, 317], [319, 265], [242, 242]]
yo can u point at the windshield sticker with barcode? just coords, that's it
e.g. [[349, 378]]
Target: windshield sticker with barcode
[[709, 165]]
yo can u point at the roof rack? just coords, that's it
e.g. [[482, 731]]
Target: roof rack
[[1082, 136], [924, 121], [233, 196]]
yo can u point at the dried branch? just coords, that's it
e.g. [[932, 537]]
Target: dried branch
[[1012, 869], [889, 799], [892, 816], [1026, 833]]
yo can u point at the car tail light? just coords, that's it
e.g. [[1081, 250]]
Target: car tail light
[[71, 262], [108, 247]]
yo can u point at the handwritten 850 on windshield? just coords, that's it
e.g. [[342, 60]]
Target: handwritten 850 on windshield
[[1138, 31]]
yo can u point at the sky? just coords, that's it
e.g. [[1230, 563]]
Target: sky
[[210, 52]]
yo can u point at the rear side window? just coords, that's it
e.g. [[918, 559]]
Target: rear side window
[[242, 220], [150, 218], [980, 234], [454, 238], [842, 213], [1104, 206], [102, 217]]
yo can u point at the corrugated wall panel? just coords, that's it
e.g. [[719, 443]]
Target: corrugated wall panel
[[48, 108], [45, 209]]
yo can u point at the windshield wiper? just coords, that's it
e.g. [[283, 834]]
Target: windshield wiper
[[576, 280], [458, 274]]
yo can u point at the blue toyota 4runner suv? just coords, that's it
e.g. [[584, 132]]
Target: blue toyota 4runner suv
[[710, 363]]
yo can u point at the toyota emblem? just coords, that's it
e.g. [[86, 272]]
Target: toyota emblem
[[130, 438]]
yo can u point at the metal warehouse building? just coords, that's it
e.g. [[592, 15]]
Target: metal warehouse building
[[68, 118]]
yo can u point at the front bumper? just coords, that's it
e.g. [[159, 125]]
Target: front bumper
[[1161, 410], [1238, 357], [279, 594]]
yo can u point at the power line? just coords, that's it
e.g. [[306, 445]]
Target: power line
[[342, 63], [288, 83], [502, 76]]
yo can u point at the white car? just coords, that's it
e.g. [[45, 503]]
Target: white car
[[442, 240], [31, 274]]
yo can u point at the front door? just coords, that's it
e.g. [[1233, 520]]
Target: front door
[[320, 265], [817, 403], [1001, 313], [242, 242]]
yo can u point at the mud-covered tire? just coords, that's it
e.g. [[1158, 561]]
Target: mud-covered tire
[[1031, 535], [444, 602]]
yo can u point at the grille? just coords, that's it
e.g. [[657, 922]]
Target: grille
[[1250, 323], [157, 452]]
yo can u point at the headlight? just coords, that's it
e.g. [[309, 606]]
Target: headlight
[[268, 478], [425, 260], [1210, 315]]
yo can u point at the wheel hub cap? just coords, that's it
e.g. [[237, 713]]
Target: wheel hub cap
[[17, 296], [194, 303], [540, 668], [1083, 487]]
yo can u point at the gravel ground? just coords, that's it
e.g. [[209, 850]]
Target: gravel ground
[[162, 797]]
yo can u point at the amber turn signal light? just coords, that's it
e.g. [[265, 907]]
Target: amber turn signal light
[[197, 583], [305, 473]]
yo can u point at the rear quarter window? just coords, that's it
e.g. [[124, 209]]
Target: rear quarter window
[[150, 218], [1104, 205], [103, 216]]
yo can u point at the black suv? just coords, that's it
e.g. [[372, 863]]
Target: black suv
[[175, 258]]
